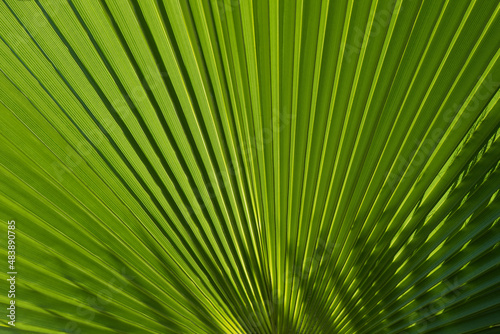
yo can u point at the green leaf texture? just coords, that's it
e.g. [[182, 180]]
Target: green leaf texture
[[251, 166]]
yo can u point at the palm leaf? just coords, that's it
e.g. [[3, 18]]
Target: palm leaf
[[247, 166]]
